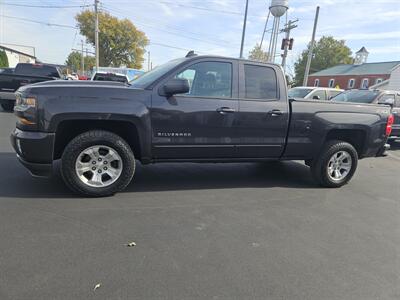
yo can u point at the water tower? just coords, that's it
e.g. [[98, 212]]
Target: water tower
[[277, 9]]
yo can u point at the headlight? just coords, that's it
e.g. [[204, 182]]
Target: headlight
[[25, 102]]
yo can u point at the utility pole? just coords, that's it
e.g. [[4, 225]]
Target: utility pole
[[244, 29], [310, 52], [287, 42], [96, 2], [82, 60]]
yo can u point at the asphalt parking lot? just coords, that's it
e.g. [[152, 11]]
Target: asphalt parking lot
[[210, 231]]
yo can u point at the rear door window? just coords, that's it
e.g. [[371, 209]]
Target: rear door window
[[260, 82]]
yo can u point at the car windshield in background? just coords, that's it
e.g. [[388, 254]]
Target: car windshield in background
[[110, 77], [149, 77], [357, 96], [298, 92]]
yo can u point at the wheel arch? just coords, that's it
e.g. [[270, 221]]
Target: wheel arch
[[66, 130], [355, 137]]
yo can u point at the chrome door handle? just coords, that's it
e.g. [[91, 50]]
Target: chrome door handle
[[275, 113], [225, 110]]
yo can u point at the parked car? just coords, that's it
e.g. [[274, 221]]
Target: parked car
[[234, 110], [83, 77], [315, 93], [107, 76], [23, 74], [72, 76], [391, 98]]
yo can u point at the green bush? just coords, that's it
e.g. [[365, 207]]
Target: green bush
[[3, 59]]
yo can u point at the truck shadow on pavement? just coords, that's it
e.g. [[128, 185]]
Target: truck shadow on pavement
[[17, 182]]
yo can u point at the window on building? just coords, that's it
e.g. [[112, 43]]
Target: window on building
[[209, 79], [260, 82], [364, 83], [316, 82], [331, 83], [351, 83], [378, 80]]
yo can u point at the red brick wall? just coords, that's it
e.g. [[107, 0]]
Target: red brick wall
[[342, 80]]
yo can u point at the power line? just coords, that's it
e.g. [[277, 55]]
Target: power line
[[39, 22], [156, 27], [45, 6], [155, 22], [230, 12]]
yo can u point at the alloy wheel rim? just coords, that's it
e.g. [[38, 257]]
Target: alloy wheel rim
[[339, 165], [98, 166]]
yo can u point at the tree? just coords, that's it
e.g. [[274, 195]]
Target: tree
[[328, 52], [74, 61], [258, 54], [120, 42], [3, 59]]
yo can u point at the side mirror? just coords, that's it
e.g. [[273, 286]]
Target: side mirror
[[387, 101], [316, 97], [176, 86]]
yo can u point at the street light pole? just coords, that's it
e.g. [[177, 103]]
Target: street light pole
[[96, 2], [244, 29], [310, 51]]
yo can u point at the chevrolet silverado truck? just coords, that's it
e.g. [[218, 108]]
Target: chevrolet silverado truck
[[23, 74], [192, 109]]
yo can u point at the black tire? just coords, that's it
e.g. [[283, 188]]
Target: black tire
[[89, 139], [7, 106], [319, 166]]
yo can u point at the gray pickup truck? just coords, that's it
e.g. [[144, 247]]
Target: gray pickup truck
[[192, 109]]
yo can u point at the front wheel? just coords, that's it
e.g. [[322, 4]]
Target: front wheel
[[336, 164], [97, 163]]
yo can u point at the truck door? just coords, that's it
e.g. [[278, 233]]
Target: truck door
[[263, 118], [199, 124]]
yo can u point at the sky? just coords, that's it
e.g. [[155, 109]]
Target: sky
[[207, 26]]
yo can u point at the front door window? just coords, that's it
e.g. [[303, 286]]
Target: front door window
[[209, 79]]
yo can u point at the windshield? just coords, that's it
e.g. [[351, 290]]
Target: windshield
[[298, 92], [151, 76], [357, 96]]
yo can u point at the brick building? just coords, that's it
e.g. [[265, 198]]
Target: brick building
[[358, 75]]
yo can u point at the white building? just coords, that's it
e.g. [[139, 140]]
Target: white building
[[391, 84], [16, 56]]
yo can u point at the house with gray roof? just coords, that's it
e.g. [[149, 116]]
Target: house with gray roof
[[360, 74]]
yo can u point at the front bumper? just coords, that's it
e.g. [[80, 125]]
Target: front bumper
[[34, 150], [395, 132]]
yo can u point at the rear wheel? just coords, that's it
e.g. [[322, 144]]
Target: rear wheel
[[97, 163], [7, 106], [336, 164]]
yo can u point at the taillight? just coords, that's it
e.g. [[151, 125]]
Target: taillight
[[389, 124]]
